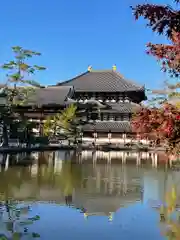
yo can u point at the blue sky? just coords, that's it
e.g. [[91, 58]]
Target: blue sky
[[74, 34]]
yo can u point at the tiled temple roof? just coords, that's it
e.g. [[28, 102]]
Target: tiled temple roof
[[51, 95], [100, 204], [102, 81], [106, 126], [121, 108]]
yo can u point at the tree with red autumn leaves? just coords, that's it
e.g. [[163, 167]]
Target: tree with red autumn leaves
[[162, 122], [159, 123], [163, 20]]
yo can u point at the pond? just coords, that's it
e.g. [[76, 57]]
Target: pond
[[57, 195]]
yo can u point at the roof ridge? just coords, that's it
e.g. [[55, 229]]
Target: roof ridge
[[101, 80], [57, 86], [82, 74], [103, 70], [69, 80], [100, 71]]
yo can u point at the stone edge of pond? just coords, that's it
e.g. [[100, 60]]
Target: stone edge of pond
[[32, 149], [67, 147]]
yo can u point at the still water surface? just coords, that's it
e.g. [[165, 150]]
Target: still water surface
[[64, 198]]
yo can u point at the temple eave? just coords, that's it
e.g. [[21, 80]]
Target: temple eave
[[107, 126]]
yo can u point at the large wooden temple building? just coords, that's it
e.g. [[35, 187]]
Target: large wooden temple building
[[116, 98], [107, 97]]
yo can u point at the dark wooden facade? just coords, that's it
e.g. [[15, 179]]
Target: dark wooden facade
[[117, 97], [106, 99]]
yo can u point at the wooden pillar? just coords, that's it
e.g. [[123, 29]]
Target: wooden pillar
[[7, 163], [98, 181], [109, 136], [94, 157], [124, 155], [81, 136], [154, 159], [137, 137], [124, 137], [138, 159], [109, 157], [95, 137]]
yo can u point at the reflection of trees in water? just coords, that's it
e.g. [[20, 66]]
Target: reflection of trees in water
[[13, 179], [169, 216], [43, 158], [65, 181], [21, 159], [46, 175], [15, 220], [172, 223], [45, 172], [68, 179], [71, 179]]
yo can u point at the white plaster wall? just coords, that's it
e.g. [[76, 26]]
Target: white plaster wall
[[112, 140]]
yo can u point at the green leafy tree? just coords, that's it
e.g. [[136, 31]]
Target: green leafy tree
[[18, 86], [66, 122]]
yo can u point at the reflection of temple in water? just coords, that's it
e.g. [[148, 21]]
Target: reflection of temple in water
[[109, 157], [119, 157], [52, 158], [95, 189], [107, 189]]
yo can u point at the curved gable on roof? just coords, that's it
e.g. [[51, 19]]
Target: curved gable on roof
[[102, 81]]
